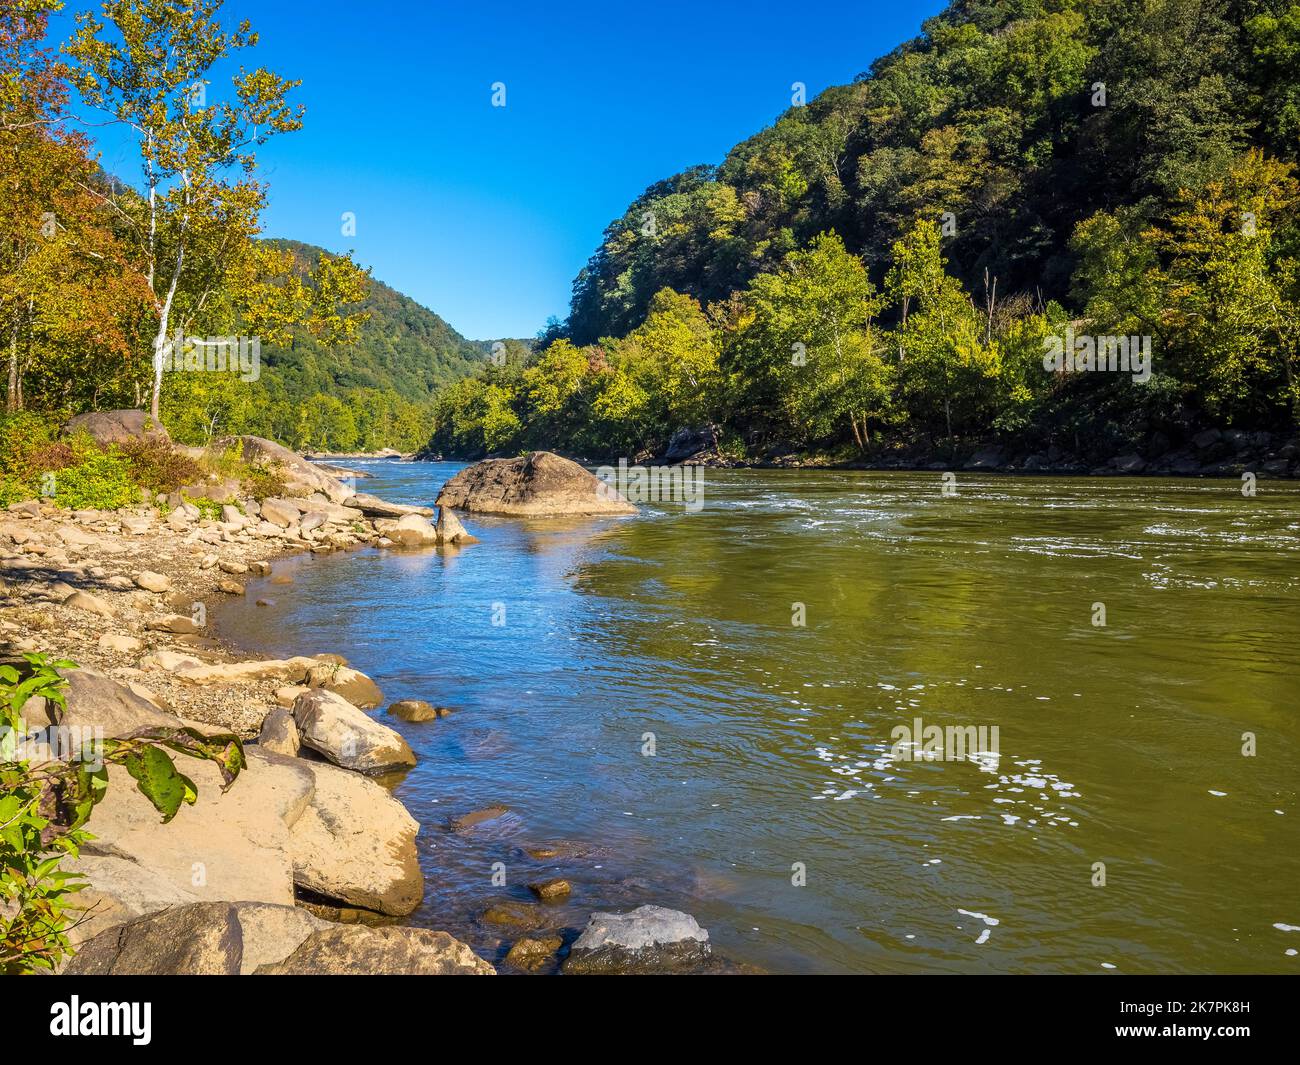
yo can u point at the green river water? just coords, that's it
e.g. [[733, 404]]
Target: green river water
[[774, 807]]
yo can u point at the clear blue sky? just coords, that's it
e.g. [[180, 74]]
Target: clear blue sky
[[486, 214]]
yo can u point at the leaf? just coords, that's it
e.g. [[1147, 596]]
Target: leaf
[[159, 781]]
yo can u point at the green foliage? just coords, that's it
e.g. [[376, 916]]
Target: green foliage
[[158, 467], [48, 792], [100, 482]]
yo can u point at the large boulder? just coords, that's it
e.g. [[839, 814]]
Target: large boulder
[[97, 702], [649, 939], [117, 426], [206, 938], [301, 477], [538, 484], [227, 846], [387, 951], [356, 843], [412, 530], [352, 684], [332, 726], [202, 939]]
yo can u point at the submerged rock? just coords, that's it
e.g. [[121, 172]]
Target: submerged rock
[[417, 710], [649, 939], [464, 822], [551, 890], [539, 484], [531, 954]]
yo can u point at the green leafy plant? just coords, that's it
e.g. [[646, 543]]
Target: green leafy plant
[[46, 801], [101, 482], [208, 508]]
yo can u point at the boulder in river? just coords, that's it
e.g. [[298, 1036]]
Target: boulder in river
[[450, 530], [332, 726], [649, 939], [356, 843], [411, 530], [539, 484]]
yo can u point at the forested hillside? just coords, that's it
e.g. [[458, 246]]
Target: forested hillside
[[889, 261], [372, 392]]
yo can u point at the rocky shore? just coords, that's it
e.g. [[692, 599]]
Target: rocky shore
[[305, 864]]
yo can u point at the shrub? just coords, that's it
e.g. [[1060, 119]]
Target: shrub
[[256, 481], [208, 508], [22, 435], [100, 482], [12, 490], [158, 466]]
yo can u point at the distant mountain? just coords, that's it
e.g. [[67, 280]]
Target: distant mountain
[[404, 348]]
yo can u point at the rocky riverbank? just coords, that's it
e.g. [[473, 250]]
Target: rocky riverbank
[[305, 863]]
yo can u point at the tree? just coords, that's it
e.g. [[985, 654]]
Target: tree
[[152, 72], [805, 347], [1231, 287], [941, 360], [69, 304]]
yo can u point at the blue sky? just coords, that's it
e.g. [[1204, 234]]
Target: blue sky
[[485, 214]]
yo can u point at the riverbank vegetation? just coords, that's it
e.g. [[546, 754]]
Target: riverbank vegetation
[[889, 261], [97, 275]]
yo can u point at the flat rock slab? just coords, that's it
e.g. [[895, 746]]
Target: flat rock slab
[[539, 484], [228, 847], [374, 507]]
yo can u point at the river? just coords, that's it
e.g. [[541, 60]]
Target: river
[[705, 704]]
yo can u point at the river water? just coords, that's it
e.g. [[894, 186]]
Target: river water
[[639, 689]]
